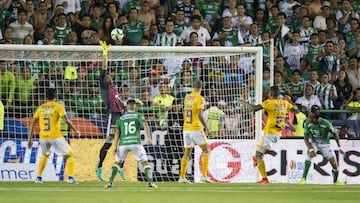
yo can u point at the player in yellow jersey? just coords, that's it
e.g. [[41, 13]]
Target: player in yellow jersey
[[193, 133], [48, 115], [276, 110]]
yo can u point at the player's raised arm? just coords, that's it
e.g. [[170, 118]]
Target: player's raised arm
[[105, 48], [251, 106]]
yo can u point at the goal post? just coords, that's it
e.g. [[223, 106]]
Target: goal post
[[228, 74]]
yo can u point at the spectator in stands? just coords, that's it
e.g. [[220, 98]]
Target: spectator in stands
[[326, 93], [25, 89], [294, 51], [309, 99], [353, 72], [72, 38], [355, 106], [168, 38], [153, 34], [332, 32], [243, 21], [344, 90], [216, 83], [286, 6], [21, 27], [49, 37], [296, 87], [230, 10], [41, 20], [281, 32], [146, 16], [51, 80], [228, 36], [185, 87], [62, 29], [305, 70], [296, 20], [134, 83], [161, 16], [132, 4], [179, 23], [261, 20], [314, 49], [283, 68], [187, 6], [344, 16], [135, 29], [8, 36], [84, 30], [7, 81], [355, 51], [280, 83], [306, 30], [290, 125], [320, 20], [232, 123], [254, 37], [70, 6], [5, 16], [145, 97], [28, 39], [97, 21], [164, 100], [203, 34], [328, 61]]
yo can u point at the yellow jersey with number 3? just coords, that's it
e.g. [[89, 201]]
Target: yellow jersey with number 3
[[192, 103], [276, 110], [49, 115]]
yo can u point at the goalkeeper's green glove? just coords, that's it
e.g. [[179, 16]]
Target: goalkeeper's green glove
[[105, 47]]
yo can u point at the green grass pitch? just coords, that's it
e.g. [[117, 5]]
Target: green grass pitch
[[94, 192]]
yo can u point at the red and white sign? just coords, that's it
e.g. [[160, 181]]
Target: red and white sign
[[232, 161]]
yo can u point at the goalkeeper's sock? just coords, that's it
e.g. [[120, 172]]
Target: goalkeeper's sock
[[205, 164], [70, 162], [114, 170], [184, 163], [148, 174], [42, 164], [335, 174], [262, 169], [306, 169], [103, 151]]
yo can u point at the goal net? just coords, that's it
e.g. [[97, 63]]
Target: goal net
[[159, 77]]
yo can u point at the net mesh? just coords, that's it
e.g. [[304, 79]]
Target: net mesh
[[160, 80]]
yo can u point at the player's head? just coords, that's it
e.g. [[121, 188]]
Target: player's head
[[314, 113], [274, 92], [131, 105], [51, 94], [197, 85]]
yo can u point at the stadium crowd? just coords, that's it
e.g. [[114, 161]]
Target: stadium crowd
[[316, 53]]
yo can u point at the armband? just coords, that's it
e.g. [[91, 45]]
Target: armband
[[311, 150]]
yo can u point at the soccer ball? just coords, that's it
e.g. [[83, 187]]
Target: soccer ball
[[117, 34]]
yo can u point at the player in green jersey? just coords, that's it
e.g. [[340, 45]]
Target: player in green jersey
[[128, 138], [317, 138]]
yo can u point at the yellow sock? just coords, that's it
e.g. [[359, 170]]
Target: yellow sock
[[183, 169], [261, 167], [70, 162], [205, 164], [42, 164]]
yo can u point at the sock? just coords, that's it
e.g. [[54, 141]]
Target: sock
[[205, 164], [261, 167], [183, 168], [70, 162], [114, 170], [103, 151], [335, 174], [148, 174], [42, 164], [307, 167]]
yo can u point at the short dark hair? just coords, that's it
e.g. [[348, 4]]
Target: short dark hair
[[197, 84], [51, 93], [131, 102], [275, 92], [315, 111]]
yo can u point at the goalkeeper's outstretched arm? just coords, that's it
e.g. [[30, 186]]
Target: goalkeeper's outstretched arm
[[105, 48]]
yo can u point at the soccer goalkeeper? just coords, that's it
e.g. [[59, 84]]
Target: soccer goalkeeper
[[115, 107]]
